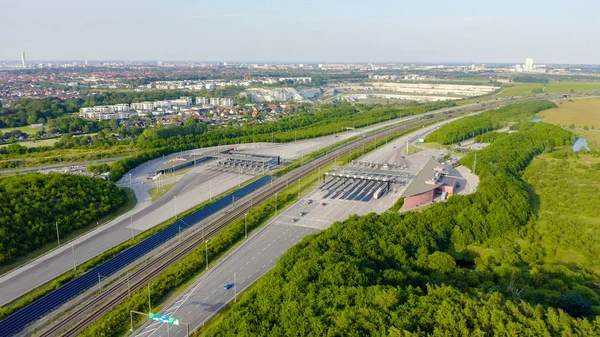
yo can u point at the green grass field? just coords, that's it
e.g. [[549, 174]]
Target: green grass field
[[580, 112], [30, 143], [158, 192], [565, 87], [521, 89], [25, 129]]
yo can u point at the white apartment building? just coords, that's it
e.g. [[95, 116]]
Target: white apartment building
[[202, 100], [162, 104], [144, 106], [216, 101], [182, 101], [103, 112], [120, 107]]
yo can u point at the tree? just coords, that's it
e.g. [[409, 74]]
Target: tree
[[441, 262], [575, 305]]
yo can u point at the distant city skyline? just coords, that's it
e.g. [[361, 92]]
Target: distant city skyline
[[307, 31]]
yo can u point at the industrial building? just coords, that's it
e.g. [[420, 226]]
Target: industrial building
[[180, 163], [432, 179], [243, 162]]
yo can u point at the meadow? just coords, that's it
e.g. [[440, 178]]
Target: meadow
[[580, 113], [521, 89], [31, 143], [25, 129], [565, 87]]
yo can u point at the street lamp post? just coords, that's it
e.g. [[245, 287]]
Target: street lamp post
[[206, 254], [210, 184], [73, 251], [57, 234], [175, 198], [235, 288], [246, 224]]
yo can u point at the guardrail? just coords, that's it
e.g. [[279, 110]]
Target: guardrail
[[35, 310]]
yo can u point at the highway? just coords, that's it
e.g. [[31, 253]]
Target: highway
[[259, 253], [191, 189], [80, 317], [333, 139]]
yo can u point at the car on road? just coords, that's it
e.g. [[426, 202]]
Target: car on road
[[302, 213], [323, 204], [309, 201], [294, 220], [228, 286]]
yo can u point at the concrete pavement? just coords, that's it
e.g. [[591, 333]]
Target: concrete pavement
[[191, 189]]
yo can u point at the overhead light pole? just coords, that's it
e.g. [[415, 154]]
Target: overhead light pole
[[57, 234]]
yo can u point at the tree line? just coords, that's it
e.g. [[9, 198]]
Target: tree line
[[413, 274], [33, 203], [472, 126]]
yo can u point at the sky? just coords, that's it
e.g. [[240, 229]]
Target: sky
[[428, 31]]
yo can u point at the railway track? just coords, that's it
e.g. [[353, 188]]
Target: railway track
[[80, 317]]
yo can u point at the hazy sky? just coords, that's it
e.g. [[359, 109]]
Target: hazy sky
[[550, 31]]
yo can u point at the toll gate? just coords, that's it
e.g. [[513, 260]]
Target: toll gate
[[247, 163], [366, 180]]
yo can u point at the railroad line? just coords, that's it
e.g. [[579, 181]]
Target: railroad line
[[80, 317]]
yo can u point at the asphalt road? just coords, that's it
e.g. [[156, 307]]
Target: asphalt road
[[256, 256], [191, 189], [259, 253]]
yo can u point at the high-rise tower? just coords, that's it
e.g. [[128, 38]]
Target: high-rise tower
[[23, 58], [528, 65]]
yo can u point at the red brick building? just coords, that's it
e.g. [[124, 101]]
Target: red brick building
[[430, 180]]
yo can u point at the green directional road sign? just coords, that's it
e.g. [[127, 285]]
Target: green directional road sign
[[164, 319]]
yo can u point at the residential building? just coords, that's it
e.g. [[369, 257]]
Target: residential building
[[202, 100], [162, 104], [143, 106], [182, 101]]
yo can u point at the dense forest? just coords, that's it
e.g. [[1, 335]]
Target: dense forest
[[32, 203], [414, 274], [472, 126]]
